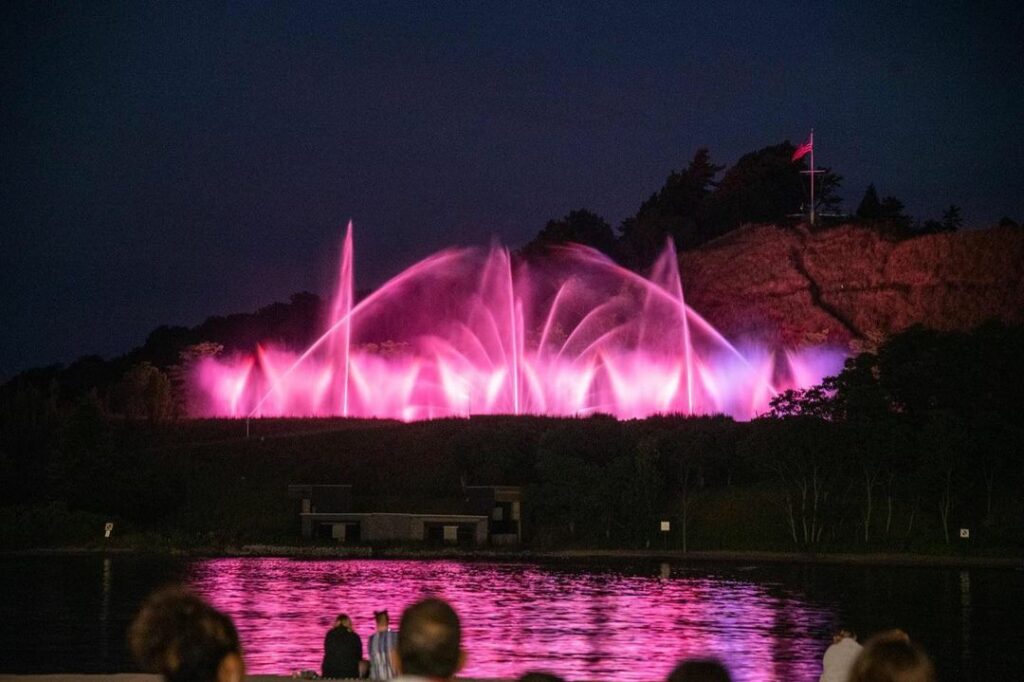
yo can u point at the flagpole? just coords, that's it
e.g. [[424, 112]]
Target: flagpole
[[812, 177]]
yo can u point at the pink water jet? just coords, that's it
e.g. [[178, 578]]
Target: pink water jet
[[477, 331]]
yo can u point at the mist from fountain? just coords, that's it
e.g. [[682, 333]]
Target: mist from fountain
[[478, 331]]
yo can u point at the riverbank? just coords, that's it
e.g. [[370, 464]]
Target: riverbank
[[578, 555], [117, 677], [143, 677]]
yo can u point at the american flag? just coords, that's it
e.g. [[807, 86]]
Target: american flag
[[803, 149]]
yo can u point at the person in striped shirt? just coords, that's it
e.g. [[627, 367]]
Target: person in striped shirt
[[380, 647]]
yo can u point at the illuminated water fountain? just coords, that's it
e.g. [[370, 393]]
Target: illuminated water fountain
[[478, 331]]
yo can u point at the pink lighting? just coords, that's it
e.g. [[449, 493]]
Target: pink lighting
[[586, 623], [477, 331]]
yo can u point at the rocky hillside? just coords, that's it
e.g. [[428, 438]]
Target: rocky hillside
[[851, 285]]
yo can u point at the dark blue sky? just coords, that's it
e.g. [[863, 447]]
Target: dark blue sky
[[162, 162]]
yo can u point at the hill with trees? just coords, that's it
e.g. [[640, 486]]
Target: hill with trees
[[749, 263]]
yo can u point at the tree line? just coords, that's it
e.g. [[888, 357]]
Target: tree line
[[900, 450], [704, 201], [701, 203], [150, 382]]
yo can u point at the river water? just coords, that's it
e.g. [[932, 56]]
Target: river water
[[597, 621]]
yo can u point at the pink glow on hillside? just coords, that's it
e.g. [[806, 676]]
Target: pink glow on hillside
[[473, 331]]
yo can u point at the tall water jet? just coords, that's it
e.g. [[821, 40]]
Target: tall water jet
[[472, 331], [341, 309]]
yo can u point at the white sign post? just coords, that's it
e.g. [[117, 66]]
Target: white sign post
[[108, 528]]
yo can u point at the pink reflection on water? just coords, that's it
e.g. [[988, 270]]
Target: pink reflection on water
[[472, 331], [577, 622]]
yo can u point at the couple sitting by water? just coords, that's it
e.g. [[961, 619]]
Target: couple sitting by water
[[187, 640], [343, 650]]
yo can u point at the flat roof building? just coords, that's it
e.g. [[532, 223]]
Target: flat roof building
[[481, 515]]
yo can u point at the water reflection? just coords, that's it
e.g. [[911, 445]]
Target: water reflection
[[517, 617], [965, 619], [70, 613], [105, 584]]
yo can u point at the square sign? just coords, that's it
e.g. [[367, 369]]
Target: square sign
[[665, 526], [965, 533]]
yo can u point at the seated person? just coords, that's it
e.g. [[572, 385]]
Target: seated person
[[343, 650], [839, 657], [700, 670], [381, 648]]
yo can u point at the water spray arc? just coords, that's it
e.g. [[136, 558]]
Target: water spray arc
[[477, 331]]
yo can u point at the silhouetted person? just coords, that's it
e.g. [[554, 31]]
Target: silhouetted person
[[429, 642], [839, 657], [381, 647], [893, 635], [181, 637], [892, 657], [343, 650], [700, 670], [539, 677]]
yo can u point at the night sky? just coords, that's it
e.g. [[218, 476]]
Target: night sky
[[163, 162]]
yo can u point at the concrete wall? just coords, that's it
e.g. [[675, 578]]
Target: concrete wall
[[391, 527], [395, 527]]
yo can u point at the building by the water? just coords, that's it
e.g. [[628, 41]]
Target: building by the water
[[480, 515]]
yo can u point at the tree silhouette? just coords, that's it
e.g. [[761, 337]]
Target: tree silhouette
[[679, 209], [870, 208], [578, 227], [886, 213], [145, 392], [764, 186], [951, 220], [826, 192], [892, 213]]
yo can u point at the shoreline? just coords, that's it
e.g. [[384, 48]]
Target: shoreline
[[149, 677], [119, 677], [406, 553], [115, 677]]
